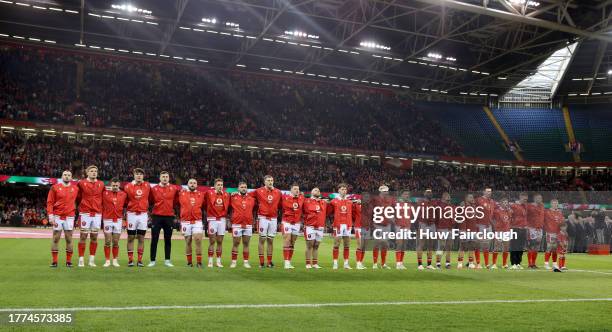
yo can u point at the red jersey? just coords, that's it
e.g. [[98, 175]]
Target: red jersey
[[242, 209], [268, 201], [519, 215], [191, 203], [535, 215], [429, 217], [488, 207], [553, 219], [357, 215], [217, 204], [90, 196], [292, 208], [315, 212], [138, 196], [471, 223], [113, 204], [61, 200], [342, 210], [445, 223], [164, 199], [502, 219]]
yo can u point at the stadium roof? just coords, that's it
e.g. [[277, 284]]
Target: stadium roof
[[437, 48]]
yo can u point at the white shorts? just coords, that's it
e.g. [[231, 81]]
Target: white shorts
[[293, 229], [424, 226], [216, 226], [89, 223], [483, 228], [239, 230], [534, 233], [113, 227], [66, 224], [137, 221], [314, 233], [267, 226], [343, 230], [187, 228]]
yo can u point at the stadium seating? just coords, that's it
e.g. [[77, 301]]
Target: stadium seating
[[39, 85], [593, 128], [540, 133], [469, 125]]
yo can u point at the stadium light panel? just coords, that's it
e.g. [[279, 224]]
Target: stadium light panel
[[209, 20], [374, 45], [610, 72], [131, 9]]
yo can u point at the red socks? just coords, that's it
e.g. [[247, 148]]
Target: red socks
[[189, 259], [140, 251], [261, 259], [495, 258], [54, 256], [245, 255], [199, 259], [486, 257], [68, 256], [345, 254], [383, 256], [554, 257], [505, 258], [115, 252], [477, 254], [130, 256], [234, 255], [375, 255], [81, 249], [335, 253], [93, 246], [107, 251]]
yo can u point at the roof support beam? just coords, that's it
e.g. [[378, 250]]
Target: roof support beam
[[476, 9]]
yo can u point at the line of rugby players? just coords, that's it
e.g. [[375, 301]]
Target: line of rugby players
[[99, 207]]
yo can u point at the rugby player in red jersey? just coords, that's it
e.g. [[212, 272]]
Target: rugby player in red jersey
[[315, 213], [501, 221], [553, 219], [342, 209], [402, 224], [381, 245], [242, 207], [90, 213], [269, 202], [535, 225], [137, 214], [61, 206], [519, 225], [426, 223], [113, 206], [484, 225], [164, 198], [360, 230], [217, 205], [191, 203], [445, 226], [291, 217], [468, 225], [562, 240]]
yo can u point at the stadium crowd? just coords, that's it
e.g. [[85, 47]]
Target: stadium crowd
[[40, 85], [23, 154]]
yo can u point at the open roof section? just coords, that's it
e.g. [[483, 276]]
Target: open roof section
[[542, 85]]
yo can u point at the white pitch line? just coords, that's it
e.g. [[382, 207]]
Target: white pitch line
[[302, 305], [589, 271]]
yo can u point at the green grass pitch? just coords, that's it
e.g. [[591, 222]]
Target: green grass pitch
[[26, 281]]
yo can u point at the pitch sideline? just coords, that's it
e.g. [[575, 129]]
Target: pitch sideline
[[301, 305]]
